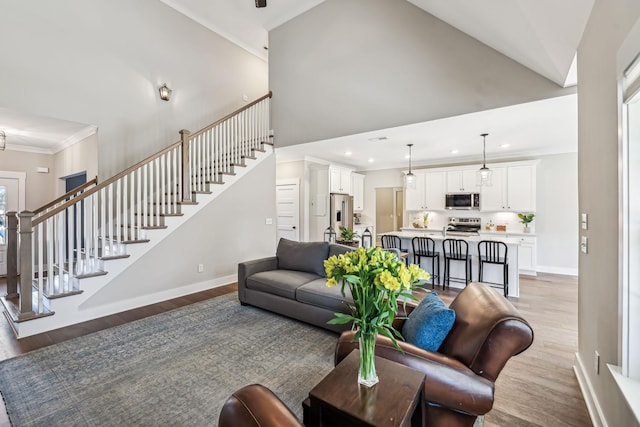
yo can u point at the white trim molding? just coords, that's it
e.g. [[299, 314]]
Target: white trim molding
[[590, 397]]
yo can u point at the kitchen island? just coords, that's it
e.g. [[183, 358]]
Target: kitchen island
[[492, 272]]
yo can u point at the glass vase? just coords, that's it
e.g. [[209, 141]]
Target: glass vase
[[367, 373]]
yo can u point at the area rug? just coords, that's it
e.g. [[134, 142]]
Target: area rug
[[172, 369]]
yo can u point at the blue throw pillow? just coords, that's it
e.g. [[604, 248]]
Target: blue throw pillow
[[429, 323]]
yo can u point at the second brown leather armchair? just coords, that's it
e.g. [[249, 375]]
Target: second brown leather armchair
[[460, 377]]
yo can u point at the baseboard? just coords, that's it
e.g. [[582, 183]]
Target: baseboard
[[593, 406], [557, 270]]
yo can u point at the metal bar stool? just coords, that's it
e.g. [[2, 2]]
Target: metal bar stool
[[456, 250], [492, 252], [390, 241], [426, 247]]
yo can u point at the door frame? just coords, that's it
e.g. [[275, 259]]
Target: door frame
[[296, 182], [22, 193]]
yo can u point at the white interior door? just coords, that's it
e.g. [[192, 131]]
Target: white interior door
[[10, 200], [288, 210]]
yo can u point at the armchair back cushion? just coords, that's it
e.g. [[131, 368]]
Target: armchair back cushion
[[302, 256], [488, 330]]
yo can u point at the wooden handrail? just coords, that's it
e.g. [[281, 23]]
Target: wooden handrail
[[228, 116], [141, 163], [68, 194]]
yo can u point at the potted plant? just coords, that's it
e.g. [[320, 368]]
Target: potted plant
[[526, 219], [347, 237]]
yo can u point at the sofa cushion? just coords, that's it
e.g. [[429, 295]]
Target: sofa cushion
[[302, 256], [429, 323], [319, 294], [280, 282], [336, 249]]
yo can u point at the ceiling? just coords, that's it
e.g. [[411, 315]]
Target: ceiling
[[28, 132], [542, 35], [530, 130]]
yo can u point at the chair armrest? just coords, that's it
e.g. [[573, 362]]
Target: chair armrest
[[248, 268], [448, 382], [256, 406]]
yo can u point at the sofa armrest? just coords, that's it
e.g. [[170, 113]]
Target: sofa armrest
[[448, 383], [248, 268]]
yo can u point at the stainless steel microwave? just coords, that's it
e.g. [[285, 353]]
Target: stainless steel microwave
[[462, 201]]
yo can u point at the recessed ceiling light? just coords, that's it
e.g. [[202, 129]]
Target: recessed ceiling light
[[455, 151], [371, 160], [347, 153], [378, 138], [504, 145]]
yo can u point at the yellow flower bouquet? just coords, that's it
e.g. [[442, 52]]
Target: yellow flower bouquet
[[376, 279]]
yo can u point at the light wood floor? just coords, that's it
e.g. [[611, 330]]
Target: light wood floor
[[536, 388]]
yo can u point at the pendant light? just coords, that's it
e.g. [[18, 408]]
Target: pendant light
[[410, 178], [483, 178]]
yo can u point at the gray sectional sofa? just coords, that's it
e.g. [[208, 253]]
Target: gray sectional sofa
[[293, 283]]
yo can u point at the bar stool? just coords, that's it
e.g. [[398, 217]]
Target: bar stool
[[492, 252], [426, 247], [456, 250], [390, 241]]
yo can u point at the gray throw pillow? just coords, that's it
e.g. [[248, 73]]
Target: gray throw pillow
[[302, 256]]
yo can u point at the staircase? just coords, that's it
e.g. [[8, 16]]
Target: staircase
[[71, 248]]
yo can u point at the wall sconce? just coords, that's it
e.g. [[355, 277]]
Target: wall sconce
[[165, 92], [3, 141]]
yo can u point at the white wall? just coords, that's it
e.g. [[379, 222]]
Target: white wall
[[598, 132], [557, 219], [39, 187], [346, 67], [79, 157], [101, 63]]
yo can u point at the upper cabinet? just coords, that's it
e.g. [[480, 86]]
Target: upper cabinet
[[428, 193], [461, 181], [357, 186], [339, 180], [414, 198], [513, 189]]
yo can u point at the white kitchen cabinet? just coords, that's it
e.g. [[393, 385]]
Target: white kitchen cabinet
[[492, 198], [513, 189], [462, 181], [434, 191], [527, 257], [428, 193], [521, 188], [358, 191], [414, 198], [339, 180]]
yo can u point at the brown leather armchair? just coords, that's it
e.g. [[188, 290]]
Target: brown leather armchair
[[460, 377], [256, 406]]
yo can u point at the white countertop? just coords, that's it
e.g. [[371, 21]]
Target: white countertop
[[437, 235]]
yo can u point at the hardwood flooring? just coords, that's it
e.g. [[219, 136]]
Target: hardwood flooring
[[536, 388]]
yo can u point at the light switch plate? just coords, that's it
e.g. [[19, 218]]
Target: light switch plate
[[583, 221], [583, 244]]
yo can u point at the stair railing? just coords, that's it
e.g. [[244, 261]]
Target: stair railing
[[70, 240], [65, 197]]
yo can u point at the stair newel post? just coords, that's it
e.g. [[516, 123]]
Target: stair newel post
[[26, 265], [12, 255], [186, 172]]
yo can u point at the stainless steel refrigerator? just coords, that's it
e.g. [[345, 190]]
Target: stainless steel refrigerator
[[340, 212]]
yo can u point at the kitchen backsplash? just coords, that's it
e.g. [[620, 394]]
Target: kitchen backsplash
[[440, 219]]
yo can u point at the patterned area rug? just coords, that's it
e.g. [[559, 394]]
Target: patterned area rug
[[172, 369]]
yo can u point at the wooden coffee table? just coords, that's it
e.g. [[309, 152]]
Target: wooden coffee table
[[397, 400]]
